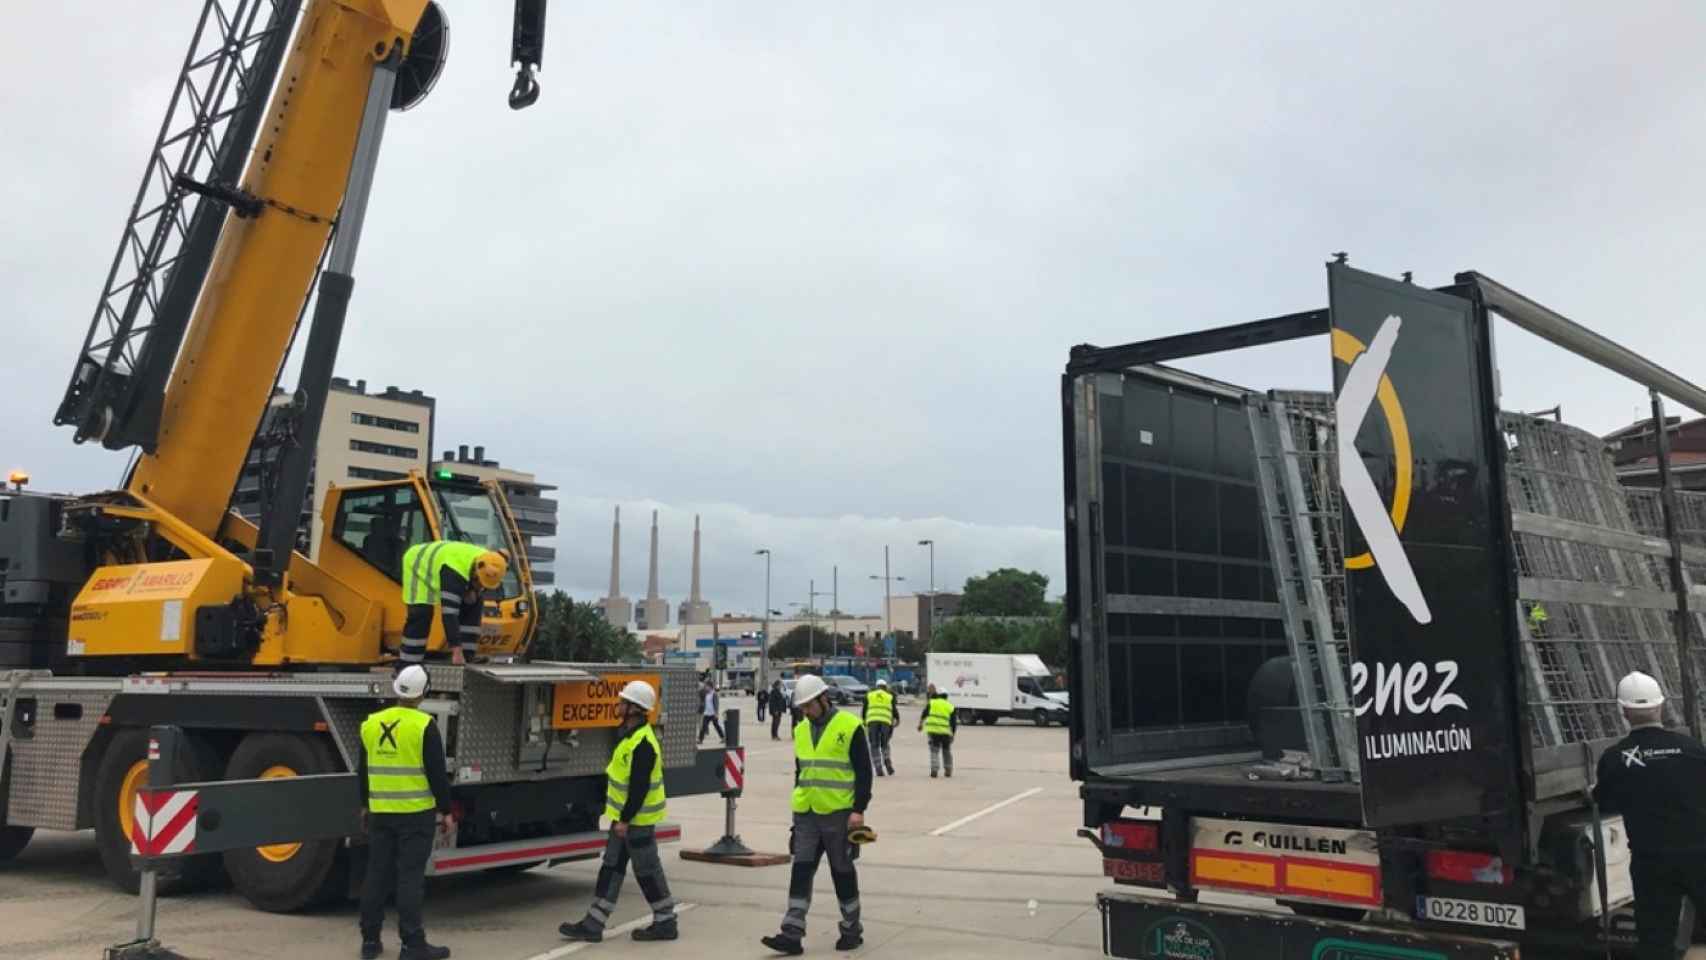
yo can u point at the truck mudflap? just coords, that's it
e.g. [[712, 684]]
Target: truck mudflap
[[1138, 927], [551, 850]]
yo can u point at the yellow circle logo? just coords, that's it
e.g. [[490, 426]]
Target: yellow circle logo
[[1346, 348]]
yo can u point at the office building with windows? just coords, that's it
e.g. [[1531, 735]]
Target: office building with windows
[[535, 513], [363, 437]]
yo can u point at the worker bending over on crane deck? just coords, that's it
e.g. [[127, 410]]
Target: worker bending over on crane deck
[[880, 717], [1656, 778], [448, 575], [832, 788], [940, 724], [402, 780], [635, 803]]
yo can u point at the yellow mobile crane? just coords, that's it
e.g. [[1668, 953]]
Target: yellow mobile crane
[[156, 603]]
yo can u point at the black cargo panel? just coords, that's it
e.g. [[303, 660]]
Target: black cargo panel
[[1188, 604]]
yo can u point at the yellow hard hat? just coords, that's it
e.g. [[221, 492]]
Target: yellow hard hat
[[490, 569]]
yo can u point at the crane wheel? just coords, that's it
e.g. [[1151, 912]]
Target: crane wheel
[[284, 877], [122, 772]]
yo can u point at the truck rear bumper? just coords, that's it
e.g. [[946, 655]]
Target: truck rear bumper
[[1140, 927], [564, 847]]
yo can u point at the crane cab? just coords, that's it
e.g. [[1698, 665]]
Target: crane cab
[[368, 526]]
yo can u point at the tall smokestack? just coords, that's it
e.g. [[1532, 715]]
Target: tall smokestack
[[694, 610], [616, 555], [652, 577], [694, 596], [652, 613], [617, 609]]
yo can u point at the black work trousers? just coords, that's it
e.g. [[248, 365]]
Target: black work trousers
[[708, 721], [775, 722], [398, 847], [1660, 884]]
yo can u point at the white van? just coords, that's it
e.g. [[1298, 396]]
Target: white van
[[989, 686]]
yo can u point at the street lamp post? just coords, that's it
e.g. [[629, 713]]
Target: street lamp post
[[764, 645], [888, 620], [932, 545]]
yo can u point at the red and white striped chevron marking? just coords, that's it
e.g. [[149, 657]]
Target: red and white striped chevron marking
[[164, 823], [734, 769]]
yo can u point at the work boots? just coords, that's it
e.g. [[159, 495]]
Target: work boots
[[582, 931], [371, 949], [423, 951], [657, 931], [849, 941], [784, 944]]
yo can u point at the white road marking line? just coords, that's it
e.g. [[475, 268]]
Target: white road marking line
[[986, 811], [609, 932]]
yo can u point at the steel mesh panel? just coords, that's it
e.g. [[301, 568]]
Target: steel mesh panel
[[43, 787]]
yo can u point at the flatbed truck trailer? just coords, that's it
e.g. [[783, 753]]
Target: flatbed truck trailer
[[1353, 652], [526, 746]]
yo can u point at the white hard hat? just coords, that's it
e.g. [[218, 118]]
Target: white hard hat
[[882, 683], [640, 694], [809, 688], [1637, 691], [411, 682]]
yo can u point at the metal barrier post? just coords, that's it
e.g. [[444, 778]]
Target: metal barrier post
[[730, 848], [163, 743]]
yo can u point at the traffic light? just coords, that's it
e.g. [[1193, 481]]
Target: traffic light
[[722, 656]]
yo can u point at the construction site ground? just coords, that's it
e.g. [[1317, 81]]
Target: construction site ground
[[982, 865]]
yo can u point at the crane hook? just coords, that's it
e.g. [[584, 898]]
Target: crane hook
[[526, 90]]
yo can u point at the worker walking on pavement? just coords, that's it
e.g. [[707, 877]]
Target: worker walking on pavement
[[832, 787], [778, 706], [448, 575], [1656, 778], [940, 723], [635, 803], [881, 715], [403, 782], [708, 718]]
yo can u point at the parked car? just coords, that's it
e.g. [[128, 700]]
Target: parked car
[[846, 690]]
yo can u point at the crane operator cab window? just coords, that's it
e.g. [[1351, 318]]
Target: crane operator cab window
[[380, 524], [470, 515]]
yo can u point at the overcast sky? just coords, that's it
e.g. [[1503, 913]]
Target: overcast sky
[[812, 270]]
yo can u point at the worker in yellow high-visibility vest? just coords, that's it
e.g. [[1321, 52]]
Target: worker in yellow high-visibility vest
[[881, 715], [448, 576], [832, 787], [635, 803], [940, 724], [403, 784]]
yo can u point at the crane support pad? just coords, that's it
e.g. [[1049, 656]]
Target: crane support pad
[[1147, 928]]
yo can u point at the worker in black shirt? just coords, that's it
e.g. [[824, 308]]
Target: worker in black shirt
[[635, 802], [405, 794], [1656, 778]]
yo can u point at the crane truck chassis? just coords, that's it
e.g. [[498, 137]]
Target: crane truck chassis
[[1370, 688], [525, 750]]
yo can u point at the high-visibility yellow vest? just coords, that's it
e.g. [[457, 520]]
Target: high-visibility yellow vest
[[395, 739], [621, 769], [826, 767], [879, 707], [936, 716], [423, 561]]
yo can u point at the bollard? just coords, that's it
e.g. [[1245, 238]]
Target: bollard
[[730, 848]]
